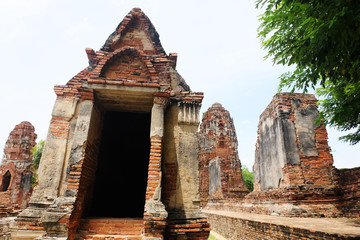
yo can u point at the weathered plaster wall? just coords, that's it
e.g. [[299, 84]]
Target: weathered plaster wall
[[291, 150], [270, 160], [214, 177], [56, 151], [180, 180], [180, 164]]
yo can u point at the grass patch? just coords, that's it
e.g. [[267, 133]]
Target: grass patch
[[211, 237]]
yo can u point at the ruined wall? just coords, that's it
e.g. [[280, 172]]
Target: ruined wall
[[219, 163], [349, 183], [15, 170], [293, 170], [302, 155]]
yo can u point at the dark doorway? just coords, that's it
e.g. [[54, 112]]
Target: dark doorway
[[6, 179], [121, 177]]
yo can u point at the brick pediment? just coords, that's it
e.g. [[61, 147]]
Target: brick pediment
[[126, 64], [136, 30]]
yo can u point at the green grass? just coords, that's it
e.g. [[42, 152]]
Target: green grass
[[211, 237]]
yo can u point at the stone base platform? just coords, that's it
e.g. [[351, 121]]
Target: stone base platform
[[239, 225]]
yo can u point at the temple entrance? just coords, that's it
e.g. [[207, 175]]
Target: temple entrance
[[6, 181], [121, 177]]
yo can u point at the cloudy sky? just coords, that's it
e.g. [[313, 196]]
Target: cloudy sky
[[43, 43]]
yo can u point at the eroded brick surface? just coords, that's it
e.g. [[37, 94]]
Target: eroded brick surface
[[15, 170], [293, 170], [301, 155], [349, 184], [219, 163], [131, 73]]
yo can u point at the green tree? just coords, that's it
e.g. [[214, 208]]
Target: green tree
[[322, 40], [248, 178], [36, 152]]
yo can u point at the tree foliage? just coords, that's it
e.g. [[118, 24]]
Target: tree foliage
[[322, 40], [36, 152], [248, 178]]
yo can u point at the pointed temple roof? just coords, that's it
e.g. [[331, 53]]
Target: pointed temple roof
[[138, 21], [131, 56]]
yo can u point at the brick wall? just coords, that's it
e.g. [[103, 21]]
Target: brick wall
[[126, 65], [233, 228], [349, 182], [127, 228], [191, 229], [219, 163], [169, 164], [81, 175], [288, 122], [296, 177]]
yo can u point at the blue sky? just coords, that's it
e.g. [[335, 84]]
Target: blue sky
[[43, 43]]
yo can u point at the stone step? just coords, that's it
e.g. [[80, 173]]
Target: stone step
[[117, 228], [100, 237]]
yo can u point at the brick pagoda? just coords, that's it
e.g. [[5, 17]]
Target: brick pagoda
[[219, 163], [15, 170]]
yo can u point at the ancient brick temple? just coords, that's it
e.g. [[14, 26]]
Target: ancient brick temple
[[293, 170], [219, 163], [302, 155], [15, 170], [121, 154]]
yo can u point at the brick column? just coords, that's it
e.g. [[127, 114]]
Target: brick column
[[62, 217], [54, 154], [155, 214], [186, 221]]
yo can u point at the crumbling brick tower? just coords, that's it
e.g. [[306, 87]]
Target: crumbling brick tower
[[15, 170], [121, 154], [293, 163], [219, 163]]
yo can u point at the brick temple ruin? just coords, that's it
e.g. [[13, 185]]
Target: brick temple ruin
[[294, 177], [15, 170], [219, 164], [300, 169], [298, 176], [123, 158], [121, 154], [293, 169]]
